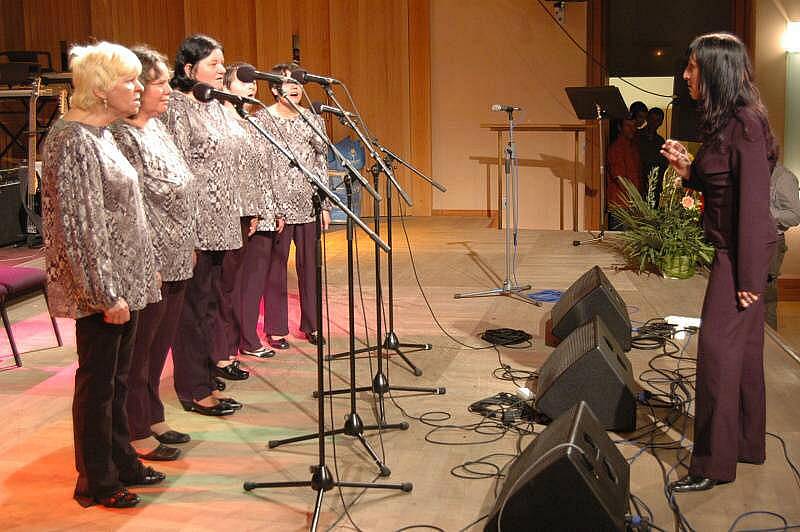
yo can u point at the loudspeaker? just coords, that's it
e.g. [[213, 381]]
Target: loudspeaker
[[592, 295], [589, 366], [571, 477], [10, 210]]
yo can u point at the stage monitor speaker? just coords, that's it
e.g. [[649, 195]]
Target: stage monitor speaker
[[571, 477], [592, 295], [589, 366], [10, 211]]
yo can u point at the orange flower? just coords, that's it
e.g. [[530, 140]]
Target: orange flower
[[688, 202]]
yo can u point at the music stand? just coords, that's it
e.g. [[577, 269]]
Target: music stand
[[597, 103]]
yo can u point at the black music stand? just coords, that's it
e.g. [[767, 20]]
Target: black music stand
[[597, 103]]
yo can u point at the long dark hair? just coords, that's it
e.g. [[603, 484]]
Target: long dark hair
[[726, 85], [192, 50]]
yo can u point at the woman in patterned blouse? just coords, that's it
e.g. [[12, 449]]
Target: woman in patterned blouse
[[169, 202], [258, 213], [296, 206], [202, 133], [100, 265]]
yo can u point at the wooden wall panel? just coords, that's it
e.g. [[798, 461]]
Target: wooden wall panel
[[419, 43], [234, 25], [12, 30], [157, 23], [49, 21]]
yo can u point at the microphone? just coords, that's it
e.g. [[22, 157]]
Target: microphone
[[206, 93], [506, 108], [301, 76], [248, 74], [320, 108]]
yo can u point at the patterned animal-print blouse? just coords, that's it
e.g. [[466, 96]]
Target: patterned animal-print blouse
[[211, 148], [296, 192], [97, 242], [258, 195], [170, 199]]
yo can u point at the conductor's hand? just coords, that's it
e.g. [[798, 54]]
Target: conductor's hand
[[677, 156], [746, 298], [118, 313]]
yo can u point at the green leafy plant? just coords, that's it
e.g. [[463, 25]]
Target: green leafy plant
[[655, 236]]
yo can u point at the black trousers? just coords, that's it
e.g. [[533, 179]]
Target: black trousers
[[197, 328], [154, 335], [251, 285], [230, 327], [730, 407], [103, 450]]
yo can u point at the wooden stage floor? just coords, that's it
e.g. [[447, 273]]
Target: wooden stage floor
[[204, 489]]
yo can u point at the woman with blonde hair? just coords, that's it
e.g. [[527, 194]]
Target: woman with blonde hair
[[100, 265]]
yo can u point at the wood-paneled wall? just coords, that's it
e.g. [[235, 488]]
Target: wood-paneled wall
[[380, 48]]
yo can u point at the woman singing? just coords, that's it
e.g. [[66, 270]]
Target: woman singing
[[100, 265], [169, 202], [296, 206], [202, 133], [732, 169]]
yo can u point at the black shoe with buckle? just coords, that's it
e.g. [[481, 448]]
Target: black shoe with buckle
[[171, 437], [279, 343], [314, 338], [692, 483], [259, 352], [162, 453], [145, 476], [122, 498], [230, 402], [219, 409], [232, 372]]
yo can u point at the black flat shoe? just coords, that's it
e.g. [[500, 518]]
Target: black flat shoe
[[314, 337], [232, 372], [280, 343], [144, 477], [162, 453], [259, 352], [171, 437], [231, 402], [122, 498], [692, 483], [220, 409]]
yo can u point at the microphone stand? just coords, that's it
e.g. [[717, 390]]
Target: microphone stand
[[353, 424], [604, 217], [380, 382], [509, 287], [321, 478]]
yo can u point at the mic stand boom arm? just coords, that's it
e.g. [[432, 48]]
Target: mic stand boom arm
[[372, 151], [315, 180], [411, 167]]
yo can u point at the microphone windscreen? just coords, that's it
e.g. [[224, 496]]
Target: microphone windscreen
[[203, 92], [246, 73], [496, 107], [299, 76], [317, 106]]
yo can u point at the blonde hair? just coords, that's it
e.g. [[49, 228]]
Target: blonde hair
[[98, 67]]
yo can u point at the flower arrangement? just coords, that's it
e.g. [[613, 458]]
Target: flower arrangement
[[667, 237]]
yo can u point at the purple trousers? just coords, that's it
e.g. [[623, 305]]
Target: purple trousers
[[197, 328], [251, 285], [154, 335], [103, 449], [730, 408], [228, 330]]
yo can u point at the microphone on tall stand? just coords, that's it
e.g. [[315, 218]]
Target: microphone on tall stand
[[504, 108], [247, 74], [302, 76], [205, 93], [320, 108]]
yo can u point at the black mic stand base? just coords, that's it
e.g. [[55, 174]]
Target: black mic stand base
[[599, 238], [390, 342], [322, 481]]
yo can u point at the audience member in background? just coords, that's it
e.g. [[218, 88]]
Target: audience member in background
[[732, 169], [100, 265], [202, 133], [785, 208], [638, 111], [169, 202], [650, 143], [623, 161]]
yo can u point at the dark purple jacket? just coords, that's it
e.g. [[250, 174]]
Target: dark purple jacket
[[734, 178]]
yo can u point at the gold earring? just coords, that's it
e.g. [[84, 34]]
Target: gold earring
[[105, 104]]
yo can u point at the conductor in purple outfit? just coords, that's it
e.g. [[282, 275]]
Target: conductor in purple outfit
[[732, 169]]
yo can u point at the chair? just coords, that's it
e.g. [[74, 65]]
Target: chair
[[15, 284]]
